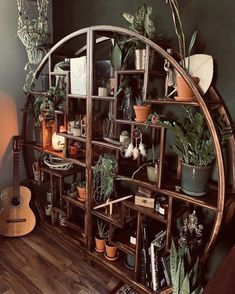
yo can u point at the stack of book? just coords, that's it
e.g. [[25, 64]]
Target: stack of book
[[144, 198], [160, 262]]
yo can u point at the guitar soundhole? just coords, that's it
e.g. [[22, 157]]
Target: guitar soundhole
[[15, 201]]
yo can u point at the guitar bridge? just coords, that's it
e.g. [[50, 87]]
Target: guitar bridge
[[16, 220]]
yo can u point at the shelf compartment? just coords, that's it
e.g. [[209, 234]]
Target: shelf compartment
[[73, 201], [106, 144], [118, 268], [150, 212], [49, 150], [122, 243], [208, 201]]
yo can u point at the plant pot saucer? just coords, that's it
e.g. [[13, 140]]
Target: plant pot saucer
[[111, 258], [99, 250], [81, 199], [177, 98]]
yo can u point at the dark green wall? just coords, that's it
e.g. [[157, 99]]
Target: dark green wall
[[213, 19]]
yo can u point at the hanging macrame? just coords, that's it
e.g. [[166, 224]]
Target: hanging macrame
[[32, 33]]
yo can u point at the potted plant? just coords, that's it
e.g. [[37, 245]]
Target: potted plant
[[141, 23], [141, 109], [57, 95], [32, 33], [81, 188], [125, 88], [103, 177], [38, 108], [184, 258], [122, 49], [153, 167], [102, 87], [110, 251], [184, 91], [152, 118], [194, 146], [101, 236]]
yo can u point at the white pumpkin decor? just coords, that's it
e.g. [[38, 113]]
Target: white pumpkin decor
[[58, 142]]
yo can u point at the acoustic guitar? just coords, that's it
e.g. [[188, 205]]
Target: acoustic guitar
[[16, 217]]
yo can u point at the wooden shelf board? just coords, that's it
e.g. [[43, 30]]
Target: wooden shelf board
[[39, 93], [107, 218], [74, 201], [124, 247], [130, 71], [105, 144], [132, 122], [170, 101], [77, 96], [53, 73], [68, 136], [60, 173], [107, 98]]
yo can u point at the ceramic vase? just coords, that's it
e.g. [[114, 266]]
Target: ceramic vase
[[194, 179]]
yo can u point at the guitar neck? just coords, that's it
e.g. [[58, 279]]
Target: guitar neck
[[16, 178]]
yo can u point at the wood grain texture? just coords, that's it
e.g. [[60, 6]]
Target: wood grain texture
[[41, 262]]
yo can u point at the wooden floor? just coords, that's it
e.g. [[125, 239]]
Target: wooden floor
[[43, 263]]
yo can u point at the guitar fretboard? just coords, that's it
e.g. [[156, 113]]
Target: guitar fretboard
[[16, 178]]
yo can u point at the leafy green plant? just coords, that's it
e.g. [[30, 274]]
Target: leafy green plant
[[180, 34], [81, 183], [34, 107], [57, 95], [140, 22], [153, 116], [121, 50], [185, 270], [102, 230], [32, 33], [184, 258], [194, 143], [103, 177]]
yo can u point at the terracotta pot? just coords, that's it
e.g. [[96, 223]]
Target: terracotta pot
[[110, 250], [142, 112], [185, 93], [81, 192], [99, 244]]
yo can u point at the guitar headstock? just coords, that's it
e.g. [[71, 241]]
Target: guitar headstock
[[17, 143]]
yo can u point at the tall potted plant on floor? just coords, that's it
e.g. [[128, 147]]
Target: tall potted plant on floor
[[194, 146]]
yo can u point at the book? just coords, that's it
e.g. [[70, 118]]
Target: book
[[165, 261], [158, 280]]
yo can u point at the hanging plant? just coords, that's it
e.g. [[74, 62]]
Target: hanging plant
[[33, 34], [103, 177]]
